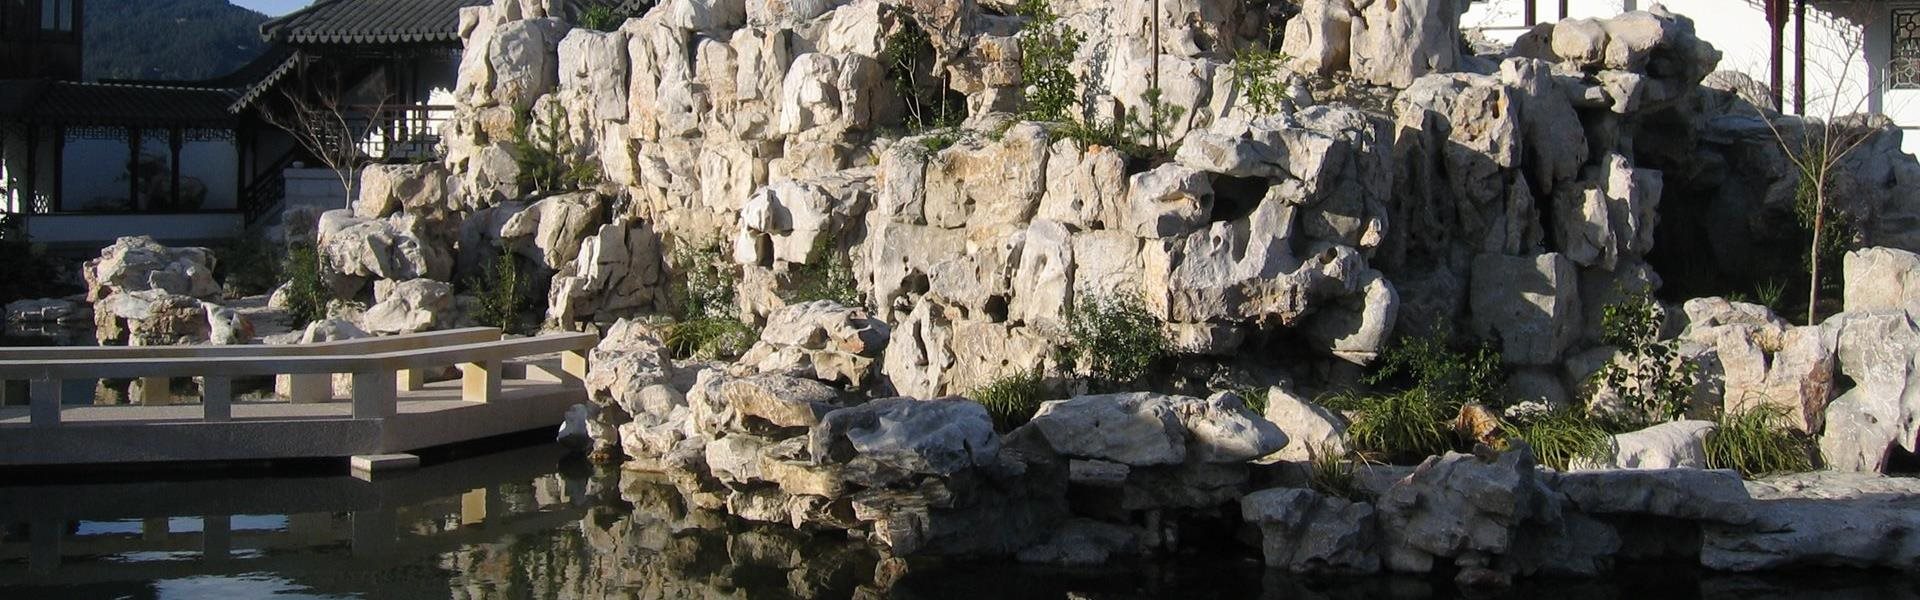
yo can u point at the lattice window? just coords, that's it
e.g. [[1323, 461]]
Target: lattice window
[[208, 135], [1905, 64], [96, 132]]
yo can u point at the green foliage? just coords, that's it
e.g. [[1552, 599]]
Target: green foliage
[[927, 105], [202, 39], [307, 292], [709, 338], [1560, 436], [602, 17], [500, 294], [1399, 427], [247, 266], [1455, 376], [1047, 49], [828, 275], [1330, 473], [1651, 380], [546, 154], [1258, 74], [704, 293], [933, 143], [1156, 129], [1757, 442], [1114, 338], [1772, 293], [1012, 399], [705, 286]]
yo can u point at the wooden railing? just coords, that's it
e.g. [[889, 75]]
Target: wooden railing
[[380, 368]]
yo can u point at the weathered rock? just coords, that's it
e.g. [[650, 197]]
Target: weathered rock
[[821, 340], [150, 317], [1821, 520], [135, 264], [1085, 543], [1472, 511], [418, 189], [626, 370], [1307, 532], [1686, 493], [1881, 279], [410, 306], [1136, 429], [1531, 305], [551, 231], [779, 401], [1222, 430], [226, 325], [1396, 42], [884, 441], [1311, 428], [1679, 444], [398, 248], [1168, 201], [620, 271]]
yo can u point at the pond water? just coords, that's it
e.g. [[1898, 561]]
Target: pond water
[[530, 523]]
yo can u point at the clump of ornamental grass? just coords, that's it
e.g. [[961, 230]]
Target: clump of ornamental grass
[[1758, 442], [1012, 399]]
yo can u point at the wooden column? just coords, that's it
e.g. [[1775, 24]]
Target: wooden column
[[1800, 57], [1776, 22], [373, 395], [59, 166]]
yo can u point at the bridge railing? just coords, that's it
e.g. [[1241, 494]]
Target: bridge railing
[[379, 367]]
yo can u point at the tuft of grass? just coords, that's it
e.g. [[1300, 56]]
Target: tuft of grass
[[1563, 435], [1399, 428], [1012, 399], [709, 338], [1757, 442], [1457, 376], [1332, 474]]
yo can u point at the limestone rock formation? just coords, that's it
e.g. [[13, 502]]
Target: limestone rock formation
[[138, 264]]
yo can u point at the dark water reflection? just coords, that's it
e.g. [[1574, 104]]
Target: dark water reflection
[[519, 524]]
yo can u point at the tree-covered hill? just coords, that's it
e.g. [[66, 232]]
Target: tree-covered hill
[[168, 39]]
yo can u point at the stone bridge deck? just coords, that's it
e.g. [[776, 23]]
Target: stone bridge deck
[[392, 409]]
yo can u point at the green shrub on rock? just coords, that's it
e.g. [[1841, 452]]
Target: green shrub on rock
[[1652, 382], [499, 292], [703, 292], [307, 293], [1113, 338]]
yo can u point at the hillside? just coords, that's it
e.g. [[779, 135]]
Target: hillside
[[169, 39]]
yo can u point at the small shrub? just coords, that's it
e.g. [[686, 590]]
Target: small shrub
[[1012, 399], [308, 294], [1758, 442], [602, 17], [932, 144], [1156, 129], [546, 155], [1651, 380], [1400, 428], [1113, 338], [710, 338], [828, 275], [927, 105], [1047, 49], [1455, 376], [500, 294], [704, 288], [1558, 437], [1257, 72]]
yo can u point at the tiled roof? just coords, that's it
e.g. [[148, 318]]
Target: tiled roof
[[82, 103], [371, 22]]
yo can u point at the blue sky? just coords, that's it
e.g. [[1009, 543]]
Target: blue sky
[[272, 8]]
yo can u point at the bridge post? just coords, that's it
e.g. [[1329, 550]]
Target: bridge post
[[573, 367], [412, 380], [216, 536], [154, 391], [10, 396], [480, 381], [46, 394], [43, 540], [216, 398], [374, 395], [309, 388]]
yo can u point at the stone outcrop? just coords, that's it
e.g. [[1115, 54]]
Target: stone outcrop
[[139, 264]]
